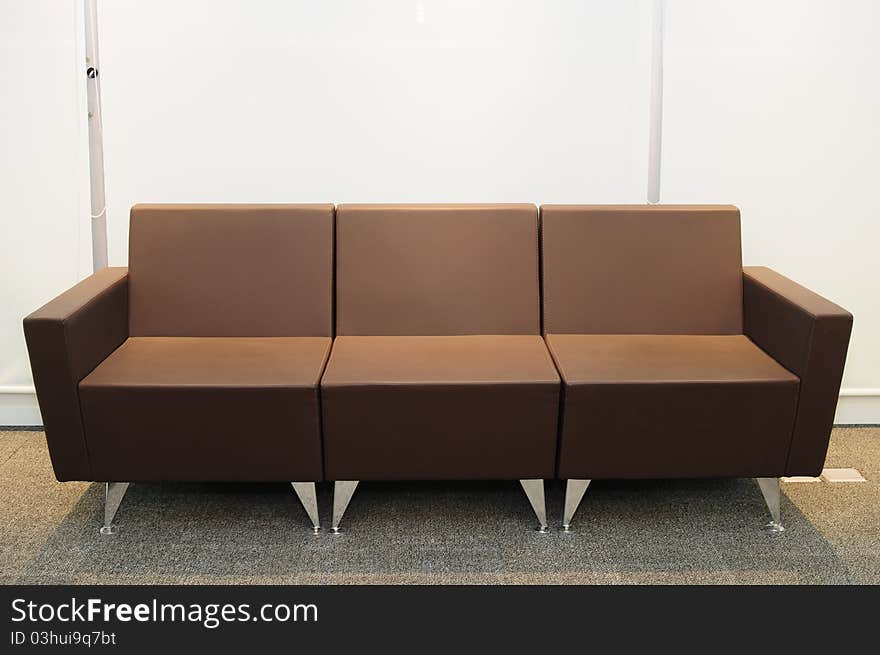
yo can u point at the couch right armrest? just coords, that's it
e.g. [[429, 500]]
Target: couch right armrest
[[809, 336], [66, 339]]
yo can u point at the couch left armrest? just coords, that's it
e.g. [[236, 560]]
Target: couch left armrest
[[809, 335], [66, 339]]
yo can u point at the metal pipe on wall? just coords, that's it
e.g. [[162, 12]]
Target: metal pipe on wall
[[655, 141], [96, 138]]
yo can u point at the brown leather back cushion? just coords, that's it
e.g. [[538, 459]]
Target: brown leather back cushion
[[662, 269], [437, 269], [231, 270]]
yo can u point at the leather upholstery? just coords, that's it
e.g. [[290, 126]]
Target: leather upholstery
[[203, 361], [440, 407], [216, 408], [663, 269], [231, 270], [809, 335], [652, 406], [437, 269], [67, 338]]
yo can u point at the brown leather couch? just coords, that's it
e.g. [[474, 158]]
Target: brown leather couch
[[205, 359], [677, 362]]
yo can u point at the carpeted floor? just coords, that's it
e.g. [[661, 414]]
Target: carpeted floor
[[706, 531]]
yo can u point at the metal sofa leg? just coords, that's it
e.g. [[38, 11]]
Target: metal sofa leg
[[305, 491], [574, 492], [113, 495], [770, 490], [535, 492], [343, 490]]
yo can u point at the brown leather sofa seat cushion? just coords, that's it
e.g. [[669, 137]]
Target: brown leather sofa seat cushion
[[440, 407], [206, 408], [643, 406]]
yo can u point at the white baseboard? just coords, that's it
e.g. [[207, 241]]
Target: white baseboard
[[858, 406], [18, 406]]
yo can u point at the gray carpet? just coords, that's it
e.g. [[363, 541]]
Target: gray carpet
[[706, 531]]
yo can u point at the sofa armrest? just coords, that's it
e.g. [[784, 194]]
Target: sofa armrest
[[809, 335], [66, 339]]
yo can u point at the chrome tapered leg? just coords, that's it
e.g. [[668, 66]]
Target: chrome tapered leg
[[535, 492], [574, 492], [770, 490], [305, 491], [113, 495], [343, 490]]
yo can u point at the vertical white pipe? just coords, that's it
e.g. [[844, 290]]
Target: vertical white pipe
[[96, 138], [655, 139]]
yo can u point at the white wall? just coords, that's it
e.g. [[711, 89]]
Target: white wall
[[44, 237], [775, 106], [770, 106], [382, 101]]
